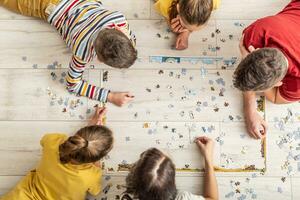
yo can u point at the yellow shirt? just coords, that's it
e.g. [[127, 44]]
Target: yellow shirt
[[55, 181], [162, 6]]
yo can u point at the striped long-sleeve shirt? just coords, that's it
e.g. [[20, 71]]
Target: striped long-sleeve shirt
[[79, 22]]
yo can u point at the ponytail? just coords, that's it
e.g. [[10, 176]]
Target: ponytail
[[70, 147], [88, 145]]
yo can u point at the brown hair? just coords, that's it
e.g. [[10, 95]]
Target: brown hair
[[88, 145], [115, 49], [260, 70], [194, 12], [152, 177]]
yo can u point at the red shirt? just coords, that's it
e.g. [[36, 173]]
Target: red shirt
[[281, 31]]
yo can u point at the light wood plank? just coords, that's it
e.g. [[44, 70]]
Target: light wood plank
[[295, 188], [132, 9], [238, 150], [175, 139], [182, 95], [36, 47], [262, 188], [249, 9], [283, 149], [33, 94], [228, 38], [283, 112]]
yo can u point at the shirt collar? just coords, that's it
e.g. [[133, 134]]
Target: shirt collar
[[124, 28]]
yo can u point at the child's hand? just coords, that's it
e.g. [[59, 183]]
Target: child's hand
[[119, 98], [97, 119], [182, 41], [176, 26], [206, 146]]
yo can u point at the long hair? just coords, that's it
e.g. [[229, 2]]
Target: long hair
[[152, 177], [194, 12], [88, 145]]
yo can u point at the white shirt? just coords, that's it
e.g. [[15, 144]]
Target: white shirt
[[188, 196]]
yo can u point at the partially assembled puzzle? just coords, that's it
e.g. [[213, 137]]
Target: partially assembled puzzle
[[172, 108]]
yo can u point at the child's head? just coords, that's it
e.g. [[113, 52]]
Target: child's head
[[115, 49], [88, 145], [261, 70], [152, 177], [193, 13]]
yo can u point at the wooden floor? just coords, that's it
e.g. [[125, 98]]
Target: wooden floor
[[175, 102]]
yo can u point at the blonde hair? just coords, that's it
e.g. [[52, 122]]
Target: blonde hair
[[88, 145], [194, 12]]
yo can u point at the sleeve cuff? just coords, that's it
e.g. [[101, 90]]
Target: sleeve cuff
[[103, 95]]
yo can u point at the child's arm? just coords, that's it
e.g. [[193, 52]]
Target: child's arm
[[99, 117], [182, 40], [206, 146], [76, 84], [210, 186]]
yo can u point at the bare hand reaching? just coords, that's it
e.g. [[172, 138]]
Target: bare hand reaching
[[119, 98], [206, 146], [98, 117]]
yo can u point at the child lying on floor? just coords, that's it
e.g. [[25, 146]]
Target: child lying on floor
[[90, 31], [153, 176], [70, 166], [186, 16]]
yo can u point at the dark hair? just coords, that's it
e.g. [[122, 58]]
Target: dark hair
[[260, 70], [88, 145], [152, 177], [115, 49], [194, 12]]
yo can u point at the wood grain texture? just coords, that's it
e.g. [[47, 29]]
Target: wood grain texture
[[178, 95], [173, 103]]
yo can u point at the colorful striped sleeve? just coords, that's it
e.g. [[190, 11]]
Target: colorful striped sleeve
[[77, 85]]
